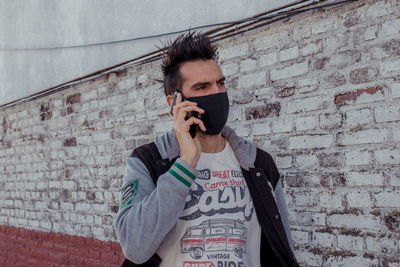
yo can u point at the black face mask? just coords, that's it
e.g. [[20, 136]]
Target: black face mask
[[216, 107]]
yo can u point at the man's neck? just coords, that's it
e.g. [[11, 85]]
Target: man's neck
[[211, 143]]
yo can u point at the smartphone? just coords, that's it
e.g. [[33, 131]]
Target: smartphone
[[194, 127]]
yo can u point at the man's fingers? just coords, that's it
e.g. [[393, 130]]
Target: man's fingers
[[180, 105], [180, 111], [184, 110], [185, 126], [197, 121]]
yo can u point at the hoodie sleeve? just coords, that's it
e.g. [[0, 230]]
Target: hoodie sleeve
[[148, 212], [276, 187], [282, 207]]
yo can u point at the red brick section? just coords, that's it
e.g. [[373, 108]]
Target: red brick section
[[268, 110], [4, 126], [346, 97], [21, 247], [76, 98], [285, 92]]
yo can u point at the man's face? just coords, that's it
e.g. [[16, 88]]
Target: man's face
[[201, 77]]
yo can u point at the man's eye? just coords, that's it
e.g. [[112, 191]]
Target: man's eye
[[202, 87], [222, 83]]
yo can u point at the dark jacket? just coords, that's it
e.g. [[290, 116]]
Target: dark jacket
[[262, 179]]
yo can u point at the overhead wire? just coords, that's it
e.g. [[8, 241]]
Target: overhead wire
[[287, 13], [154, 56]]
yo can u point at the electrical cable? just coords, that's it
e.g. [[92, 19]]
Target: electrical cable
[[61, 87], [287, 13]]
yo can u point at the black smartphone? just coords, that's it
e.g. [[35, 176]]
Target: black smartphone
[[174, 102], [194, 127]]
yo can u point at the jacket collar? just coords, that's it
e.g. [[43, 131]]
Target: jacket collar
[[245, 151]]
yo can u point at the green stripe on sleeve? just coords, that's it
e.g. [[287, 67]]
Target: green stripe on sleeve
[[180, 178], [184, 170]]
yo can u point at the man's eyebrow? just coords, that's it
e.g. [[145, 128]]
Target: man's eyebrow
[[198, 84]]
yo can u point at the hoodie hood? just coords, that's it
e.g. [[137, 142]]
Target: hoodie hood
[[245, 151]]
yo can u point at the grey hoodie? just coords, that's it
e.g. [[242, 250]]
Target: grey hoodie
[[142, 224]]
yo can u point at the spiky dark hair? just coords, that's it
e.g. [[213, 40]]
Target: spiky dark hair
[[187, 47]]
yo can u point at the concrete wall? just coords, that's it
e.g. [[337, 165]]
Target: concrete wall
[[320, 92], [31, 31]]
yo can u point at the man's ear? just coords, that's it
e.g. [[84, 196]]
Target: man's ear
[[170, 98]]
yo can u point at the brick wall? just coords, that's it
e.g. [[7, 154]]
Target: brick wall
[[22, 247], [320, 92]]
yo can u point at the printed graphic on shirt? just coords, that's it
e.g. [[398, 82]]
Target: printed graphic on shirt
[[218, 226], [211, 264], [204, 174], [215, 235], [217, 241], [198, 264], [228, 194], [128, 192]]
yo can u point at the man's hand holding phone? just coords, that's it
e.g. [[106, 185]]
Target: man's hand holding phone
[[190, 147]]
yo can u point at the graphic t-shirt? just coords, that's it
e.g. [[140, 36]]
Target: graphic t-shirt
[[218, 226]]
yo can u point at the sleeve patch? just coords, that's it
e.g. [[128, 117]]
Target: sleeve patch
[[128, 192]]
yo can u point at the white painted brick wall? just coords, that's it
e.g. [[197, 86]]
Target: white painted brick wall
[[304, 198], [290, 53], [276, 38], [301, 237], [282, 125], [325, 240], [387, 156], [359, 198], [284, 162], [307, 123], [396, 90], [305, 104], [328, 121], [382, 245], [268, 59], [354, 243], [312, 48], [307, 258], [306, 162], [248, 65], [323, 25], [390, 27], [252, 80], [310, 141], [350, 261], [358, 157], [227, 70], [388, 199], [363, 137], [319, 92], [390, 69], [290, 71], [331, 199], [264, 93], [357, 118], [354, 221], [364, 178], [262, 128], [387, 114]]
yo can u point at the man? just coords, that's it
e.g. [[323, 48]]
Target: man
[[211, 200]]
